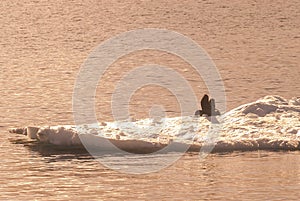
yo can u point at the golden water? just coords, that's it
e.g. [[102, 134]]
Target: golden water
[[255, 46]]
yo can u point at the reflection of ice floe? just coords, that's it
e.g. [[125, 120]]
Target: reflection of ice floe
[[268, 123]]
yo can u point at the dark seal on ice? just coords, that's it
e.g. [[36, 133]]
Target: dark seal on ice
[[208, 107]]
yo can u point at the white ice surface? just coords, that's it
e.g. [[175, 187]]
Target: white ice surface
[[268, 123]]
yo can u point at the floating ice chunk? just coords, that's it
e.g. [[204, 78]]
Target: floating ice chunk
[[268, 123]]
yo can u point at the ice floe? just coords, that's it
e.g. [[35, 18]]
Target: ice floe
[[271, 122]]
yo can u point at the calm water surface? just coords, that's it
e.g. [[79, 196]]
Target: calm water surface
[[34, 173], [255, 46]]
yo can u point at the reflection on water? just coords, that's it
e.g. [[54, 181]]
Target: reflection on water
[[35, 171]]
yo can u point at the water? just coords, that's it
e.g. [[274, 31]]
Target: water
[[255, 46], [230, 176]]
